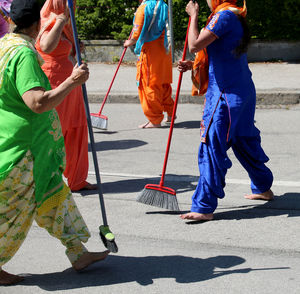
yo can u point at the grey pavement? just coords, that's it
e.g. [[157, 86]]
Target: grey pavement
[[276, 83], [250, 247]]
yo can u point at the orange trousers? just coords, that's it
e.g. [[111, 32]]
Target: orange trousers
[[155, 99], [77, 162]]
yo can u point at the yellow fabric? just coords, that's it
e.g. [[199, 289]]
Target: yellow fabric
[[18, 209], [54, 200]]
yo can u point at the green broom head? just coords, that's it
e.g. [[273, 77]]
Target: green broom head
[[108, 239], [159, 196]]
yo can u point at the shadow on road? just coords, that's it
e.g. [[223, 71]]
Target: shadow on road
[[286, 204], [142, 270], [137, 185], [117, 145], [191, 124]]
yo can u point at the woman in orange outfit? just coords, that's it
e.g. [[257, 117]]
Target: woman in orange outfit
[[55, 44], [154, 66]]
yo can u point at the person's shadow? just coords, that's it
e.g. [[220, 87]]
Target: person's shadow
[[286, 204], [117, 145], [143, 270]]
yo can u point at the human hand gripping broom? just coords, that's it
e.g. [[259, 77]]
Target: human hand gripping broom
[[99, 120], [160, 195], [106, 235]]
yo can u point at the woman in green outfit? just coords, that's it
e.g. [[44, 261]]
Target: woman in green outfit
[[32, 154]]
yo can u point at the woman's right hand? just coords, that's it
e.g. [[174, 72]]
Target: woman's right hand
[[80, 74], [185, 65], [65, 16], [192, 8]]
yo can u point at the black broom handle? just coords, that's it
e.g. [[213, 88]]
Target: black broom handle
[[87, 111]]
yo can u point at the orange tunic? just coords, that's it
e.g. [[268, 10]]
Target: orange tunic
[[58, 66], [154, 74]]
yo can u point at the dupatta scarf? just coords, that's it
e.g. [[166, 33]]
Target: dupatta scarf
[[50, 10], [156, 20]]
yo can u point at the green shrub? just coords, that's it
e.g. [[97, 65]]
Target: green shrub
[[268, 19], [274, 19], [104, 19]]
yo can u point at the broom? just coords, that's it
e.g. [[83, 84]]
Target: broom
[[160, 195], [106, 235], [99, 120]]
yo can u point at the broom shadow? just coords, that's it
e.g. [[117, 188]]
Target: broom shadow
[[193, 124], [137, 185], [104, 132], [142, 270]]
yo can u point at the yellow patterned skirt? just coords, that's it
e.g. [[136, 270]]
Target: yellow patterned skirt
[[18, 209]]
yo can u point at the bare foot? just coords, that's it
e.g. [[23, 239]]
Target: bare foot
[[267, 196], [149, 125], [9, 279], [197, 216], [89, 258], [168, 120], [90, 186]]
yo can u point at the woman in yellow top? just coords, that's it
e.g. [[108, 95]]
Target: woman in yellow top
[[154, 65]]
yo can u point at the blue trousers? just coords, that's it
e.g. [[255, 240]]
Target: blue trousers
[[214, 162]]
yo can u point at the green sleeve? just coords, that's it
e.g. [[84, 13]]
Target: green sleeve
[[28, 72]]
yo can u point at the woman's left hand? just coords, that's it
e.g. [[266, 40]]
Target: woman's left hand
[[129, 43], [192, 8]]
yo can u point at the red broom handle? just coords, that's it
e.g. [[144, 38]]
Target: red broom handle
[[120, 61], [174, 109]]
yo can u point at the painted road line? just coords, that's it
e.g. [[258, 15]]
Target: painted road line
[[172, 178]]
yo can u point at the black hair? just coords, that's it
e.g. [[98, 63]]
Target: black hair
[[245, 41], [19, 30]]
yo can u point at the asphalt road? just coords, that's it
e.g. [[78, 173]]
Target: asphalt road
[[250, 247]]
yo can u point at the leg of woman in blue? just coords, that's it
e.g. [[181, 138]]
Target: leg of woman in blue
[[214, 162], [250, 154]]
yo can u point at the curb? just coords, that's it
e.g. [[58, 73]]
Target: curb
[[262, 98]]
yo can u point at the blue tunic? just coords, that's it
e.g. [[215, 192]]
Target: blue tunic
[[229, 75], [228, 118]]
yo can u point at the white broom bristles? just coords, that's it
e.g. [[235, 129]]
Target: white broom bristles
[[158, 199], [99, 122]]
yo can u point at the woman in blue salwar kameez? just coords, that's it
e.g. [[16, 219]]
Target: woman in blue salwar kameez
[[228, 117]]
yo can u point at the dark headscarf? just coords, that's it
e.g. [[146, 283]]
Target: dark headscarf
[[24, 13]]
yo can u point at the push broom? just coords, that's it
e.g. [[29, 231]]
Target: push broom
[[160, 195], [106, 235], [99, 120]]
